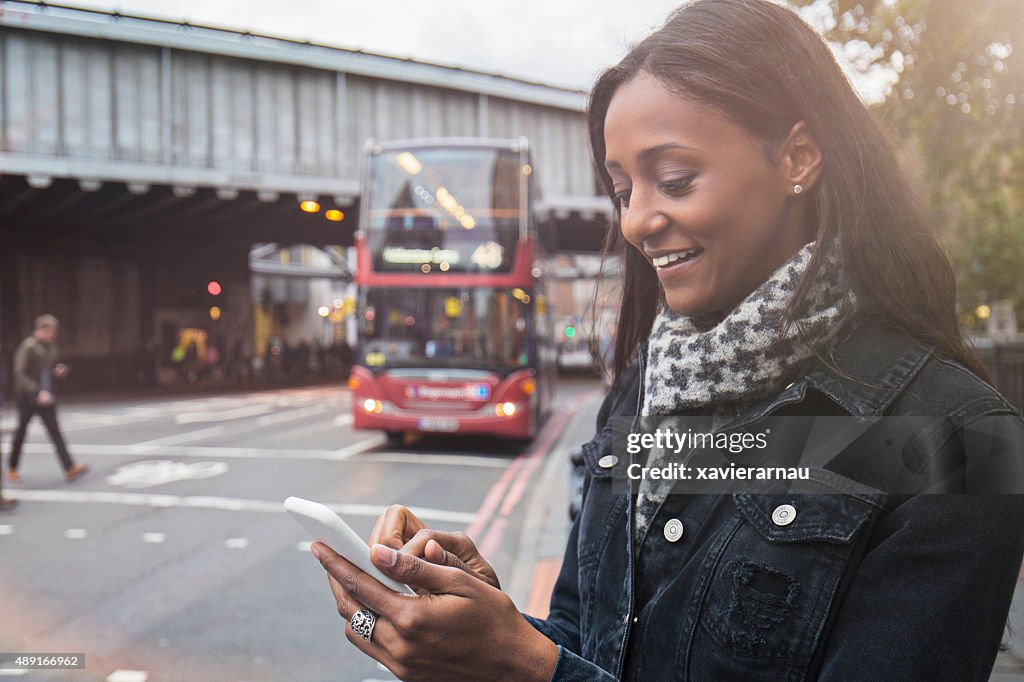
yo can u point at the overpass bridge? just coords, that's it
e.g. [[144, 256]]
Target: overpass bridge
[[141, 158]]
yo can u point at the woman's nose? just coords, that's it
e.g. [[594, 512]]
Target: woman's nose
[[641, 221]]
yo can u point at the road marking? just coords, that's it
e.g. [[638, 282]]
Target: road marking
[[85, 420], [360, 447], [210, 451], [182, 437], [343, 420], [491, 541], [304, 546], [13, 672], [223, 504], [160, 472], [451, 460], [514, 487], [147, 412], [206, 417], [545, 574], [72, 416], [518, 487], [236, 543], [291, 415], [302, 431], [76, 533], [492, 499], [128, 676], [154, 538], [6, 530]]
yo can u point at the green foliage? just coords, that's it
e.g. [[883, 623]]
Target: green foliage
[[957, 110]]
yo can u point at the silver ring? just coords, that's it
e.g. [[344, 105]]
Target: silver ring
[[362, 623]]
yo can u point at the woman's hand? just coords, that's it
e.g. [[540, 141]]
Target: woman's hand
[[395, 527], [459, 628], [399, 528]]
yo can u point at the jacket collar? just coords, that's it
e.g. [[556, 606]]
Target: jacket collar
[[875, 363]]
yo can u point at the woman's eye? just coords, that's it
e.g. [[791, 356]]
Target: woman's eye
[[622, 198], [676, 186]]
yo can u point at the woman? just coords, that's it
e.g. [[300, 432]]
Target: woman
[[775, 265]]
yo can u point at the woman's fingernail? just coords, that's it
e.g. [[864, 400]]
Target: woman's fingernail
[[385, 555], [316, 551]]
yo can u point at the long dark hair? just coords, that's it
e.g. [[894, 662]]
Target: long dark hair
[[763, 67]]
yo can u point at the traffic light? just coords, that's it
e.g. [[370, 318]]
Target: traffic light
[[570, 331], [214, 289]]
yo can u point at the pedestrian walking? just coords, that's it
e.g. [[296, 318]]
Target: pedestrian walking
[[35, 368]]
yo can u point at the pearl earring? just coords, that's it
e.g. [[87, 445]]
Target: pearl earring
[[797, 189]]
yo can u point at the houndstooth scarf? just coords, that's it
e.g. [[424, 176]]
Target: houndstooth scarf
[[724, 367]]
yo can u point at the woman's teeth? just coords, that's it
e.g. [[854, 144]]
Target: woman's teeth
[[668, 259]]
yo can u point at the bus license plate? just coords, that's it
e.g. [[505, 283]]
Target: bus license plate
[[438, 424]]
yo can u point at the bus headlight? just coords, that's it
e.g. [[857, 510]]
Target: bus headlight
[[371, 405], [505, 409]]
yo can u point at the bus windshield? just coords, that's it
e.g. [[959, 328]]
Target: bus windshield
[[444, 209], [478, 327]]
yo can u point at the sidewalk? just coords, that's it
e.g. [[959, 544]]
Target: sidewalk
[[546, 526]]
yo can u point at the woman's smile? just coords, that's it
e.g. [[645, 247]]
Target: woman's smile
[[676, 263]]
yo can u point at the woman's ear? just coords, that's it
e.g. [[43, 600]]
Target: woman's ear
[[800, 157]]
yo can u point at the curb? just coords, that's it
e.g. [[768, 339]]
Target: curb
[[547, 509]]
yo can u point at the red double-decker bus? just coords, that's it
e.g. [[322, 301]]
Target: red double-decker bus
[[455, 331]]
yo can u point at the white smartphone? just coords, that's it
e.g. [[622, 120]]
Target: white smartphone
[[327, 527]]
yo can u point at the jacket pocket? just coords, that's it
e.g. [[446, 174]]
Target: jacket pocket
[[815, 518], [774, 583]]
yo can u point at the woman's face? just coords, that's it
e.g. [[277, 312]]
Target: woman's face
[[698, 196]]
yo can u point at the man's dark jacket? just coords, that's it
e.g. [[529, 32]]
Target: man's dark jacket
[[31, 360]]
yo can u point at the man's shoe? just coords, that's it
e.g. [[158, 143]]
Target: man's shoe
[[7, 504], [75, 471], [13, 476]]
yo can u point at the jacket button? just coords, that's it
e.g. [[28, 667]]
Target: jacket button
[[784, 515], [673, 530], [608, 461]]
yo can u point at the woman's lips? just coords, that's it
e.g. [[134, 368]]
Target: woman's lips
[[679, 267]]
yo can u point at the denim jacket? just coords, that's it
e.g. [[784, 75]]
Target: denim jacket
[[859, 586]]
